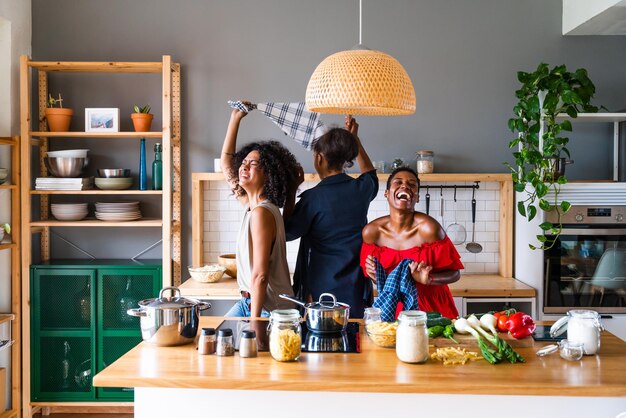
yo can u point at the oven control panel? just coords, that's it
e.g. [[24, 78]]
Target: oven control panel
[[591, 215]]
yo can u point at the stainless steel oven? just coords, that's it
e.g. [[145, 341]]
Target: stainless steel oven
[[587, 265]]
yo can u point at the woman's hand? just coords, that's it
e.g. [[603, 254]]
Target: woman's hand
[[370, 267], [237, 114], [420, 272], [351, 126]]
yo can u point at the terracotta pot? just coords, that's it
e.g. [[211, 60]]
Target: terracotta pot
[[142, 121], [59, 119]]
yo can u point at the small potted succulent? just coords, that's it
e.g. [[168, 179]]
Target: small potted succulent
[[59, 117], [142, 118], [4, 228]]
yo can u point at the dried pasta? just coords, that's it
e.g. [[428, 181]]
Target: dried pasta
[[382, 333], [285, 344], [454, 355]]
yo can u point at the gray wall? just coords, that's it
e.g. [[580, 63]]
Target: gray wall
[[461, 56]]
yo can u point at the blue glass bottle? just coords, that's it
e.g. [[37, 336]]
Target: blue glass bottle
[[143, 173]]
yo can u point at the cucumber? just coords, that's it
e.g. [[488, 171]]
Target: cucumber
[[435, 318]]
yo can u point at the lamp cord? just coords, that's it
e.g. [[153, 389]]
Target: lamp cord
[[360, 22]]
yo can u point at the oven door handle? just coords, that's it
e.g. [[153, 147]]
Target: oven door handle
[[593, 231]]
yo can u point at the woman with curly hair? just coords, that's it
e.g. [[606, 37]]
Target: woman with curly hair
[[260, 175]]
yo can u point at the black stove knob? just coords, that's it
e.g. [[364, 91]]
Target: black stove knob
[[579, 217]]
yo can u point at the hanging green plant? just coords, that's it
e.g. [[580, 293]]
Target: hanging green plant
[[540, 143]]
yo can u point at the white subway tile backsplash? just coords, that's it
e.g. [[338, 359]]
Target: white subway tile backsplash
[[223, 216]]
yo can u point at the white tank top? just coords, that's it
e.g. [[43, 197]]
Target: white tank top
[[279, 280]]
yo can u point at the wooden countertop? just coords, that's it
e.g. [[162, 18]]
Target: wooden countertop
[[375, 369], [470, 285]]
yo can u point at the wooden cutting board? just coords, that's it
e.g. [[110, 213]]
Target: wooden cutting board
[[467, 340]]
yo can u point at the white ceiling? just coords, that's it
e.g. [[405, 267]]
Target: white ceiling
[[594, 17]]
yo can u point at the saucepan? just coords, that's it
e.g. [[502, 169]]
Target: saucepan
[[169, 321], [325, 315]]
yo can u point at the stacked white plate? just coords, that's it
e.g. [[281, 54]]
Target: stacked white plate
[[118, 211], [69, 211]]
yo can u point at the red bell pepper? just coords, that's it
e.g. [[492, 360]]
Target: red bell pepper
[[520, 325]]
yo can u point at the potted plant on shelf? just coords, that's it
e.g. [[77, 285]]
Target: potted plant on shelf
[[142, 118], [4, 228], [58, 118], [540, 143]]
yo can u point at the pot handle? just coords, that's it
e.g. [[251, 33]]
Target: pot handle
[[329, 295], [203, 305], [174, 290], [292, 299], [136, 312]]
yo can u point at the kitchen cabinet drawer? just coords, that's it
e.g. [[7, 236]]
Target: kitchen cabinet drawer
[[482, 305], [80, 325]]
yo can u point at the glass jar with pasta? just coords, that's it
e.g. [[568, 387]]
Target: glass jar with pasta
[[285, 334]]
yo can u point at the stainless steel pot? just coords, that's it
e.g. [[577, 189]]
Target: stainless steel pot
[[169, 321], [324, 316]]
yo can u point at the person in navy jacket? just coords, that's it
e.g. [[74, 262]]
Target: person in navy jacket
[[329, 219]]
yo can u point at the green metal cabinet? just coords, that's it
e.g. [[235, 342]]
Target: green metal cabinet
[[79, 324]]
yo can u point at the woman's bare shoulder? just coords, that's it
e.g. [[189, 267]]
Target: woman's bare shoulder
[[371, 232], [429, 229]]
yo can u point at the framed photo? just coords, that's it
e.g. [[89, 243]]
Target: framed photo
[[102, 120]]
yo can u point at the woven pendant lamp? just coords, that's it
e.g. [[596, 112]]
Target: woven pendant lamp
[[360, 81]]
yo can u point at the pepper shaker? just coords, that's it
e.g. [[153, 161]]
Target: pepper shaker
[[225, 345]]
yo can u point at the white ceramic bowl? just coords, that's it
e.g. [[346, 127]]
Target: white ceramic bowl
[[115, 183], [76, 153], [209, 273]]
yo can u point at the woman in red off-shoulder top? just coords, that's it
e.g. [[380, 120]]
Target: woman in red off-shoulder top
[[405, 233]]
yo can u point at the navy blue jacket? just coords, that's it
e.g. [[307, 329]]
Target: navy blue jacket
[[329, 219]]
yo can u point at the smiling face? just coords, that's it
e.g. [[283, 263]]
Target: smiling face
[[403, 191], [251, 176]]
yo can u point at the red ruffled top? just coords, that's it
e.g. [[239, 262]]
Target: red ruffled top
[[442, 255]]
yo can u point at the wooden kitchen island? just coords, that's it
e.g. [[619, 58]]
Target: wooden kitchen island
[[176, 381]]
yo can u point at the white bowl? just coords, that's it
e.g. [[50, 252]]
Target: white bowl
[[115, 183], [76, 153]]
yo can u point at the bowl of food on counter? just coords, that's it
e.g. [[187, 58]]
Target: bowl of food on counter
[[230, 263], [209, 273], [383, 334]]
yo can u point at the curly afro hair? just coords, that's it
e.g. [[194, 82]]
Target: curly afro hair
[[279, 166]]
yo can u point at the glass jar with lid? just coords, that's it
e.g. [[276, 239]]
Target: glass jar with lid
[[425, 162], [412, 337], [285, 334], [583, 326]]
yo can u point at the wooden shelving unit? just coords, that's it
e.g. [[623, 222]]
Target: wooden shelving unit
[[13, 319], [170, 197]]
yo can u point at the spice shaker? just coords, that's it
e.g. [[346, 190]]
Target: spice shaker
[[247, 344], [425, 162], [206, 342], [412, 337], [225, 345]]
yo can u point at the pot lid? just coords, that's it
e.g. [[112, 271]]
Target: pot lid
[[327, 305], [172, 302]]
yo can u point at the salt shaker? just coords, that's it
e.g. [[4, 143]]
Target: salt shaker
[[225, 345], [206, 342], [247, 344]]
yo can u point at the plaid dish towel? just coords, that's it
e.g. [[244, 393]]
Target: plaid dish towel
[[293, 118], [398, 286]]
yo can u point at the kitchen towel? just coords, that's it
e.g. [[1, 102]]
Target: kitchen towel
[[397, 286], [297, 122]]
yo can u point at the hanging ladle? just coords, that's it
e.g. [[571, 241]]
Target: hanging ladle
[[473, 247]]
